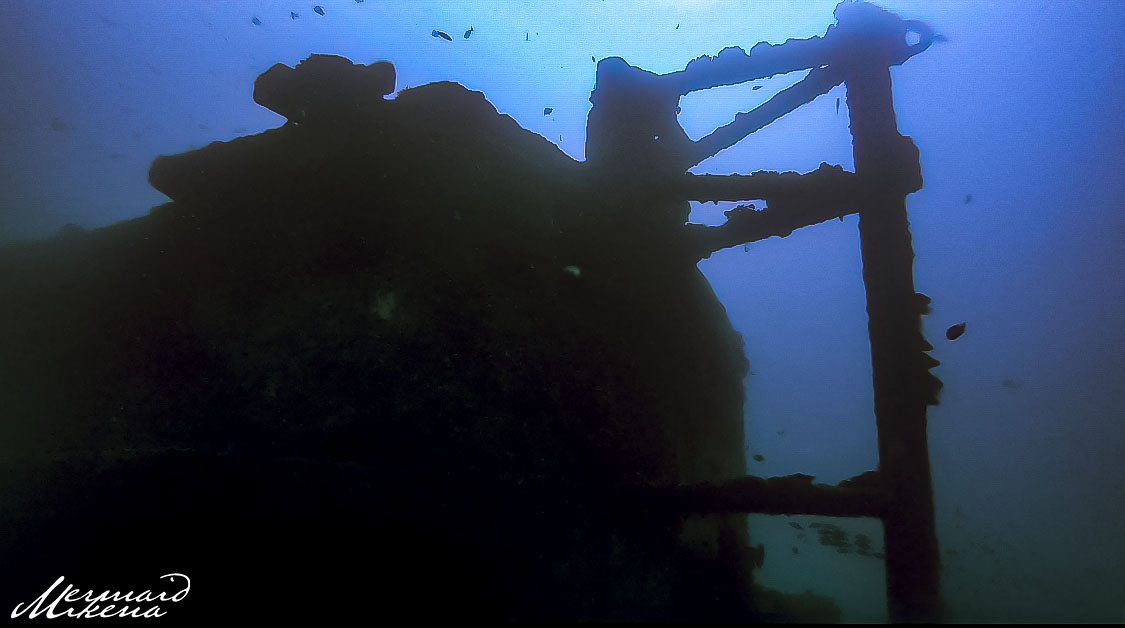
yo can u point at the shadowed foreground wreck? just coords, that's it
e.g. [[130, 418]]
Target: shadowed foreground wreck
[[401, 357], [386, 359]]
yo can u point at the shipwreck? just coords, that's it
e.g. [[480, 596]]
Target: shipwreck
[[400, 356]]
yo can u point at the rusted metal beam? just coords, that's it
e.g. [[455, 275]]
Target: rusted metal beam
[[883, 159], [818, 82], [827, 184], [790, 495], [795, 201]]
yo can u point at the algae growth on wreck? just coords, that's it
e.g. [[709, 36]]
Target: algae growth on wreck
[[343, 318]]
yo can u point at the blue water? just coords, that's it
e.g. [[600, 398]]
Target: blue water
[[1018, 230]]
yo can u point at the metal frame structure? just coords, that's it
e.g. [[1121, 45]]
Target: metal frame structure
[[858, 52]]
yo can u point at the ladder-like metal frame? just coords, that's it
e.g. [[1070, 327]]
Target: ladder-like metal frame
[[858, 52]]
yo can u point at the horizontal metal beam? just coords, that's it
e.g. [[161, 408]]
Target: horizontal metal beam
[[790, 495]]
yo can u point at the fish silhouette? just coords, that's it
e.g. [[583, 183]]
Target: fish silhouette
[[442, 34], [256, 21], [954, 332], [319, 10], [468, 32], [548, 110]]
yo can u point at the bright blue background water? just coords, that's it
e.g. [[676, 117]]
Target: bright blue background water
[[1020, 108]]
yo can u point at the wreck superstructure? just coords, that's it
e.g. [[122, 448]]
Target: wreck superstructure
[[407, 334]]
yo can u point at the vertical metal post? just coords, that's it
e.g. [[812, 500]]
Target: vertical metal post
[[887, 164]]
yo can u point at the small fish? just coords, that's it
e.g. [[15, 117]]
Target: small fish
[[837, 106], [795, 550], [939, 37], [968, 198], [746, 248], [759, 457], [1008, 382], [677, 27], [795, 525], [59, 125], [954, 332], [755, 88], [319, 10], [573, 270], [527, 36], [359, 1], [468, 32], [548, 110], [294, 15], [593, 59], [442, 34], [256, 22]]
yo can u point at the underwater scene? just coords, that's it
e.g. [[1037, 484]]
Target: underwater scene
[[590, 310]]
